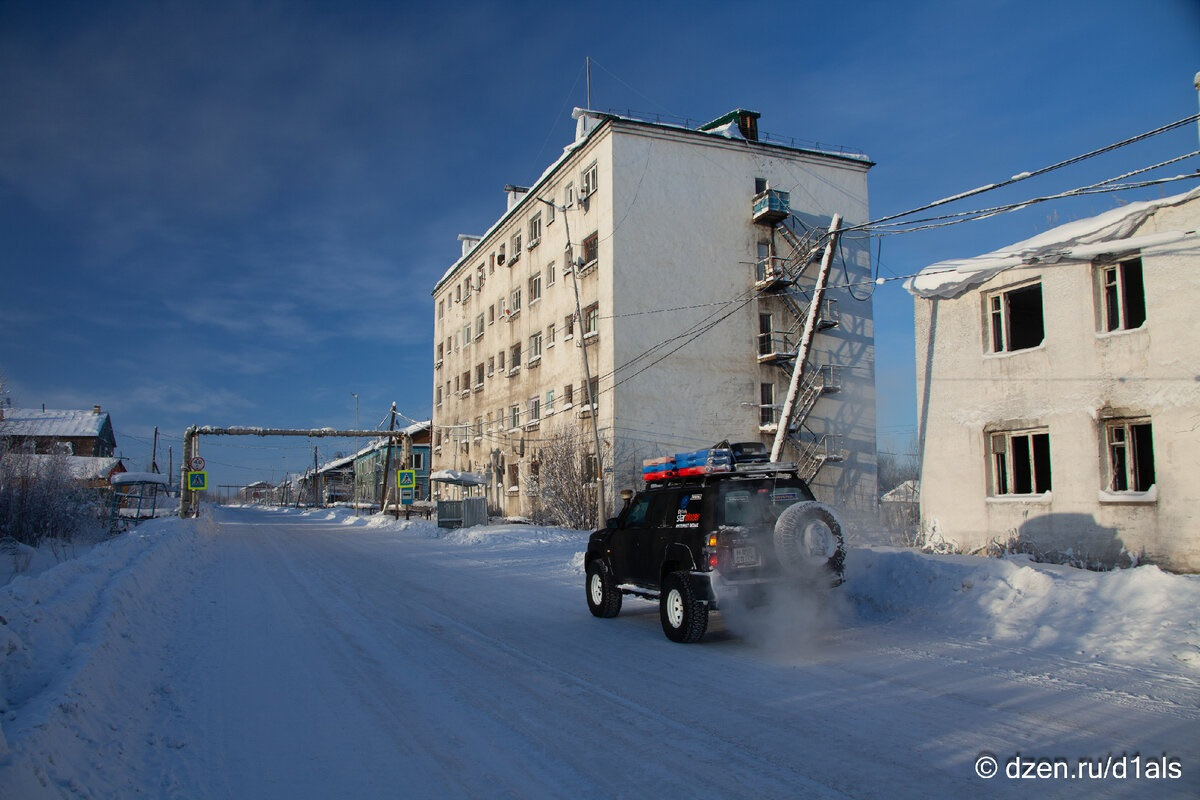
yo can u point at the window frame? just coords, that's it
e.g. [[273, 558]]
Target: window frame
[[1126, 470], [1023, 469], [1002, 325], [1120, 295]]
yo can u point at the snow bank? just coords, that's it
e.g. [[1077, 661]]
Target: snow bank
[[53, 624], [1141, 615]]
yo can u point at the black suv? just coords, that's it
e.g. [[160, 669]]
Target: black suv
[[696, 540]]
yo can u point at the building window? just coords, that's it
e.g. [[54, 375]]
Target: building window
[[535, 287], [549, 336], [479, 375], [766, 334], [587, 180], [766, 407], [569, 194], [491, 366], [479, 326], [1020, 462], [437, 400], [535, 230], [1122, 295], [441, 349], [418, 460], [550, 274], [569, 326], [569, 394], [550, 211], [516, 248], [591, 249], [762, 266], [535, 409], [1015, 318], [514, 417], [549, 401], [594, 391], [514, 356], [591, 320], [535, 346], [1130, 455], [514, 302], [441, 308], [500, 255], [466, 381], [591, 471], [500, 361]]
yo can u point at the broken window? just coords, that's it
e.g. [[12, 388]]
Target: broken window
[[766, 407], [1130, 455], [766, 334], [1020, 462], [1122, 295], [1015, 318]]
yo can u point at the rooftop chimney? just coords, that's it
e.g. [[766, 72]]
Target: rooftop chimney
[[468, 242], [515, 193], [96, 409]]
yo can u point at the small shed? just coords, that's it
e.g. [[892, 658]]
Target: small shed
[[466, 505]]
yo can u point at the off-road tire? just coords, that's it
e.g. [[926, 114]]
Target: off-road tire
[[603, 596], [684, 617], [803, 528]]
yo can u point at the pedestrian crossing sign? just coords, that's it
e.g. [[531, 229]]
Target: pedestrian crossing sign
[[406, 478], [197, 481]]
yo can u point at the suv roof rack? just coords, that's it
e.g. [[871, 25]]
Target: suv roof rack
[[755, 470]]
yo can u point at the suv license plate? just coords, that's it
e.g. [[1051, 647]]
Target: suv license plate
[[745, 556]]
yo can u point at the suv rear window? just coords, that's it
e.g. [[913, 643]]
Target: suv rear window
[[757, 502]]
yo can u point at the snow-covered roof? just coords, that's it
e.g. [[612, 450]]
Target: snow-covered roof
[[82, 468], [458, 478], [1082, 240], [140, 477], [52, 422], [907, 492]]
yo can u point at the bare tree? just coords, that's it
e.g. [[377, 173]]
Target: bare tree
[[562, 478]]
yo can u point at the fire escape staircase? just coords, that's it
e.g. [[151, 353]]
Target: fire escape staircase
[[781, 277]]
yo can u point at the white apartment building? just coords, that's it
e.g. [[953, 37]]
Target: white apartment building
[[692, 294], [1057, 390]]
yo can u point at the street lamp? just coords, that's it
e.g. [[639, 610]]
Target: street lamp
[[587, 372]]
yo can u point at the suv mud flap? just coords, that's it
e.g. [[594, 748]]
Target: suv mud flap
[[702, 587]]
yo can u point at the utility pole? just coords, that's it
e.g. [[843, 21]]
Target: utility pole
[[387, 465], [354, 459], [587, 371], [154, 453], [810, 327]]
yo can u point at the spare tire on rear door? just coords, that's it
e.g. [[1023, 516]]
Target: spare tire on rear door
[[808, 539]]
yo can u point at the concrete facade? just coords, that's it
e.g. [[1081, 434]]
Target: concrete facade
[[1087, 441], [668, 251]]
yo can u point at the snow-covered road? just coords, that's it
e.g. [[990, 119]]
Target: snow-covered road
[[278, 654]]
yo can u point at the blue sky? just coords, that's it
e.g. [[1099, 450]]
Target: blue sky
[[234, 213]]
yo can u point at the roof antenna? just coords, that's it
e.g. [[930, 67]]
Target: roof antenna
[[588, 61]]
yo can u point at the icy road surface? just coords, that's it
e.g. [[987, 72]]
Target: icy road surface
[[273, 654]]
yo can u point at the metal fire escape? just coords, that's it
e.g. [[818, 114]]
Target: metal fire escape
[[785, 282]]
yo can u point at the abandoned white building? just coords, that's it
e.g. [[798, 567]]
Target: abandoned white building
[[1058, 389], [692, 252]]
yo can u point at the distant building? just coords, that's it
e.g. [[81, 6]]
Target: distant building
[[48, 431], [1058, 401], [692, 250], [85, 439], [371, 461]]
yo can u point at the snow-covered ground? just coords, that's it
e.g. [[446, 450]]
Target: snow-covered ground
[[276, 653]]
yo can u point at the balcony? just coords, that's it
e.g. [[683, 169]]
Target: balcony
[[771, 207]]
